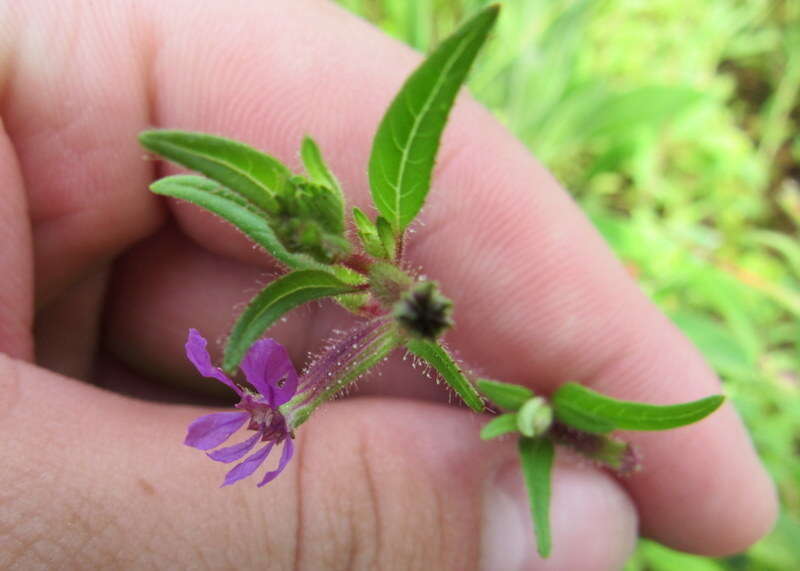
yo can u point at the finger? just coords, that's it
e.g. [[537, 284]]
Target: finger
[[565, 310], [72, 101], [374, 484], [16, 304], [67, 328]]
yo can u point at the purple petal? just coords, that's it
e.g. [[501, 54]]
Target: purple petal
[[288, 452], [268, 368], [213, 429], [198, 354], [250, 465], [233, 453]]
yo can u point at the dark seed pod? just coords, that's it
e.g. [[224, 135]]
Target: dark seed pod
[[423, 311]]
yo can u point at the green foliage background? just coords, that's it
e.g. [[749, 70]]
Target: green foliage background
[[675, 125]]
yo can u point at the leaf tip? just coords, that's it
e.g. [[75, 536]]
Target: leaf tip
[[544, 550], [229, 361], [714, 402], [146, 137], [491, 12]]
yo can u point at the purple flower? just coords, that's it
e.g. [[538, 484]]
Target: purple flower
[[270, 372]]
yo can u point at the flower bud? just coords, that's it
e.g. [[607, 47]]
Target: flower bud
[[534, 417], [423, 311]]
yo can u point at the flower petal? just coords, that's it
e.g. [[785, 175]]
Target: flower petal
[[198, 354], [286, 455], [233, 453], [250, 465], [213, 429], [269, 369]]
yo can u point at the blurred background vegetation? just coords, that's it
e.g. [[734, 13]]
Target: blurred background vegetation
[[674, 123]]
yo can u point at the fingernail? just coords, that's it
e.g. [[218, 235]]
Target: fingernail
[[507, 540]]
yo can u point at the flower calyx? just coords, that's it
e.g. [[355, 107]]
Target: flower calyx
[[423, 312]]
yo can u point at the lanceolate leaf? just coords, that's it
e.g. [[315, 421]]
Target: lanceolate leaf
[[536, 461], [505, 395], [282, 295], [441, 360], [405, 146], [588, 410], [243, 169], [316, 168], [386, 236], [500, 425], [231, 207], [368, 234]]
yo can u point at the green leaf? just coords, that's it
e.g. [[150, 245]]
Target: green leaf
[[368, 234], [439, 359], [536, 460], [311, 220], [316, 168], [498, 426], [318, 202], [251, 173], [352, 302], [386, 236], [332, 200], [405, 146], [282, 295], [233, 208], [588, 410], [505, 395]]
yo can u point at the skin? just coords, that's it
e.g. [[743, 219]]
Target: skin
[[113, 278]]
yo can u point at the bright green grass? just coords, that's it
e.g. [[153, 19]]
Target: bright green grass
[[675, 124]]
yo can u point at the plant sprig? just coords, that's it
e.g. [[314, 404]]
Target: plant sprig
[[299, 219], [579, 418]]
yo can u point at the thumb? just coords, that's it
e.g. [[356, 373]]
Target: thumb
[[405, 485], [93, 479]]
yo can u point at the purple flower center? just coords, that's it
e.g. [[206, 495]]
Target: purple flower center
[[263, 418]]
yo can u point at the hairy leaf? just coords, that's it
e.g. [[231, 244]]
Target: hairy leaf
[[243, 169], [588, 410], [439, 359], [310, 219], [316, 167], [368, 234], [233, 208], [505, 395], [536, 460], [387, 238], [405, 146], [500, 425], [282, 295]]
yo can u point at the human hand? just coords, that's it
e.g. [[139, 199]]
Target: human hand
[[379, 482]]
